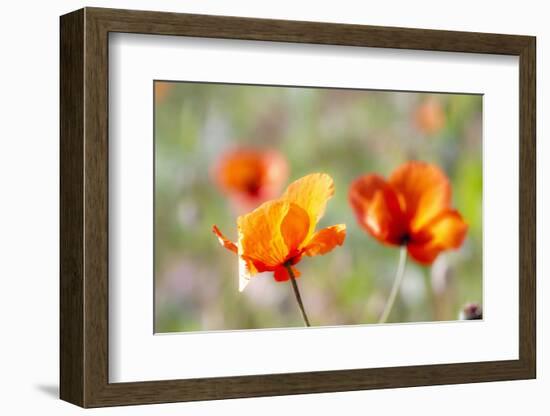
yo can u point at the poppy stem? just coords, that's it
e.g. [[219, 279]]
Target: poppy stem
[[396, 284], [297, 293]]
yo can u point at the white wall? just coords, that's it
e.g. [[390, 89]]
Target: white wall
[[29, 208]]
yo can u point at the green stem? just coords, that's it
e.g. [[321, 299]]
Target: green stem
[[297, 293], [396, 284]]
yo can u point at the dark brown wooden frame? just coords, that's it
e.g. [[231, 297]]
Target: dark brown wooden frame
[[84, 207]]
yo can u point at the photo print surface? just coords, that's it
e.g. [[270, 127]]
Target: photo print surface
[[280, 207]]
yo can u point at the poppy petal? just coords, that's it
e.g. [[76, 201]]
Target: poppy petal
[[260, 237], [246, 271], [276, 171], [325, 240], [230, 245], [295, 227], [377, 208], [248, 268], [423, 190], [447, 231], [311, 193], [281, 274]]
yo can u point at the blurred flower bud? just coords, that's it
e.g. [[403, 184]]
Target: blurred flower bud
[[471, 311], [250, 176], [429, 116], [161, 90]]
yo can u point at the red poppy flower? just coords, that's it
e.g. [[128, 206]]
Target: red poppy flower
[[412, 208], [251, 176], [276, 235]]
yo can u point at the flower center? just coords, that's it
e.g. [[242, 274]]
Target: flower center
[[253, 187], [405, 239]]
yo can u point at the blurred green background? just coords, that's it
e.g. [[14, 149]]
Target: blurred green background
[[344, 133]]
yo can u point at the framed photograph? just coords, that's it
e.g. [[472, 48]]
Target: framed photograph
[[255, 207]]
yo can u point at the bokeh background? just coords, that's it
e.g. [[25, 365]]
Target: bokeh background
[[344, 133]]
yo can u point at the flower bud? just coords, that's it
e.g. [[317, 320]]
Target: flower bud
[[471, 311]]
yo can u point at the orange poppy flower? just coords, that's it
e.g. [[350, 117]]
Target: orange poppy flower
[[251, 176], [279, 232], [412, 208], [429, 116]]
